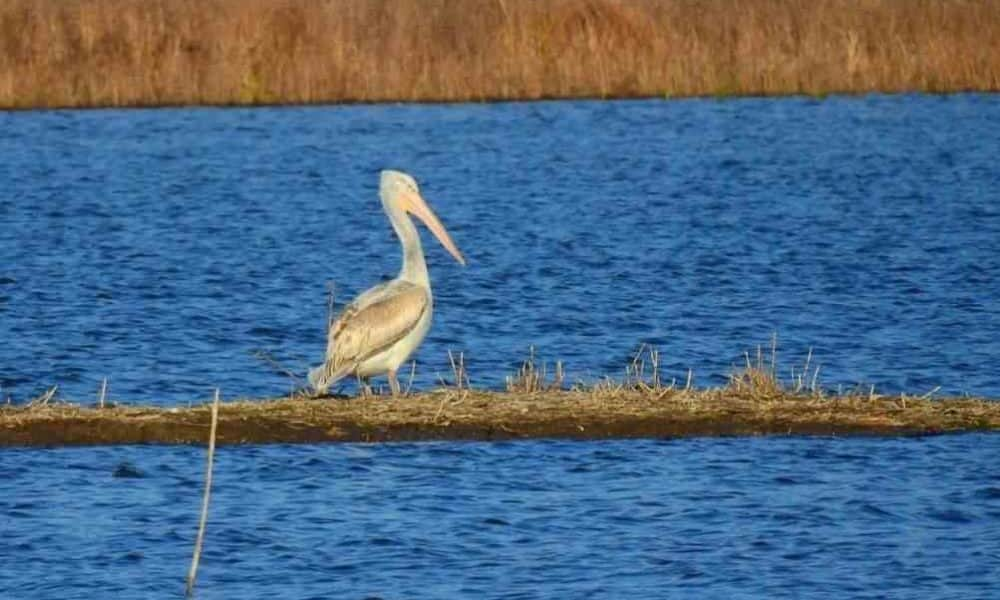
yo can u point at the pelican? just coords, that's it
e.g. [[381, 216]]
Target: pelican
[[382, 327]]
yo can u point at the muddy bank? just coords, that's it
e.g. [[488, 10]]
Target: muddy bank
[[465, 415]]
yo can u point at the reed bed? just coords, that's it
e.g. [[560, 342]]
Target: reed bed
[[88, 53]]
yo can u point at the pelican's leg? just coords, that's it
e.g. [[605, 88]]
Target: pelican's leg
[[393, 382]]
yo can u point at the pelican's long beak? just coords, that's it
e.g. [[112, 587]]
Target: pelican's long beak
[[415, 204]]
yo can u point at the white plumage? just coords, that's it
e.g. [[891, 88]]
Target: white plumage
[[382, 327]]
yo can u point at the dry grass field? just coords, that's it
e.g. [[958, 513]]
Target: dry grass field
[[83, 53]]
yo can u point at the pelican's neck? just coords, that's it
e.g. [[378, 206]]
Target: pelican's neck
[[414, 267]]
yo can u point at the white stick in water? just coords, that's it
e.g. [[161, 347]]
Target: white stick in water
[[193, 572]]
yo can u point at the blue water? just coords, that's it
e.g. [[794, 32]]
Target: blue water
[[162, 248], [723, 518]]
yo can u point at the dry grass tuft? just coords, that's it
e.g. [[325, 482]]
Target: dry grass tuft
[[161, 52], [530, 378], [757, 378], [635, 372]]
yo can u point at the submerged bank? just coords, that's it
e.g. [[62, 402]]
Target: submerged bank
[[474, 415], [96, 53]]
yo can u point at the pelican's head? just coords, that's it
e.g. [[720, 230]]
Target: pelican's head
[[399, 191]]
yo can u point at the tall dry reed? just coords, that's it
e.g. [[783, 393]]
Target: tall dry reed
[[156, 52]]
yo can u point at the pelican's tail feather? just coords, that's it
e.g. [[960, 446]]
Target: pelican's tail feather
[[323, 376]]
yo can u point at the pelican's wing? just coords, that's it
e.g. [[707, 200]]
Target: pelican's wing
[[367, 328], [371, 324]]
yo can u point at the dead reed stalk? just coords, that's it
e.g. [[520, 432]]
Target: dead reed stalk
[[331, 316], [413, 372], [44, 398], [163, 52], [102, 395], [635, 372], [267, 358], [460, 376], [193, 572]]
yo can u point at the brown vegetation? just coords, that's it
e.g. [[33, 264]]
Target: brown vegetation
[[754, 403], [159, 52], [536, 404]]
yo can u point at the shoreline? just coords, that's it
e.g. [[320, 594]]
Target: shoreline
[[458, 415], [843, 94]]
